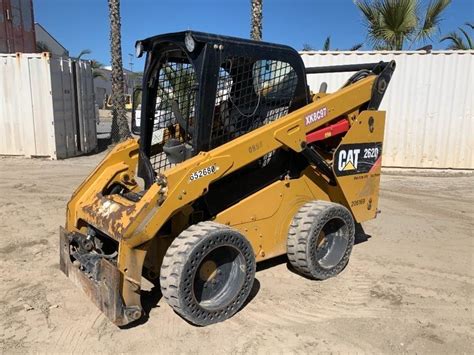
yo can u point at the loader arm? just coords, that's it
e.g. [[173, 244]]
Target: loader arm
[[289, 132]]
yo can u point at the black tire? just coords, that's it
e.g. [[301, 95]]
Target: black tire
[[320, 239], [207, 273]]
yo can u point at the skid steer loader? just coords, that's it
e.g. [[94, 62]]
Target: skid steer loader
[[237, 162]]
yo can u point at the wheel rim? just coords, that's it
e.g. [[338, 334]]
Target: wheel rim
[[331, 243], [219, 277]]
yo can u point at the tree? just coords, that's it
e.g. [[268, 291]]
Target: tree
[[327, 44], [96, 69], [96, 66], [308, 47], [393, 23], [120, 130], [257, 19], [457, 41]]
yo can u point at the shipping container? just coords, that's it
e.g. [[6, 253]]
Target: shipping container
[[46, 106], [429, 104], [17, 31]]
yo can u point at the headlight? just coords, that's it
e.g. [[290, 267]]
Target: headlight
[[138, 49], [189, 42]]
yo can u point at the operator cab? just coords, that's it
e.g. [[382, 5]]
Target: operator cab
[[202, 90]]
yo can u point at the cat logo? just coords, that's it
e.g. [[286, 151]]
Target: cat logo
[[357, 158], [348, 159]]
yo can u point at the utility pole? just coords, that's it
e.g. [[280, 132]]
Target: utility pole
[[131, 62]]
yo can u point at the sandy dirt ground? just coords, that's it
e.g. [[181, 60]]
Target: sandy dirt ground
[[409, 288]]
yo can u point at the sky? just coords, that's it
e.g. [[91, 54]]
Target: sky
[[83, 24]]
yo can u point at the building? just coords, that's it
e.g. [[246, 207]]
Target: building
[[47, 43], [17, 33], [103, 84]]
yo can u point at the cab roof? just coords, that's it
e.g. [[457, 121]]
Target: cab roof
[[203, 37]]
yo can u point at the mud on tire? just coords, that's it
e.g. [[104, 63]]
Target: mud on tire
[[320, 239]]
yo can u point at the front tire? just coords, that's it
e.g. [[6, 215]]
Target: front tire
[[320, 239], [207, 273]]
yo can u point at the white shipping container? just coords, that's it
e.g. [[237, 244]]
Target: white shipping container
[[46, 106], [429, 104]]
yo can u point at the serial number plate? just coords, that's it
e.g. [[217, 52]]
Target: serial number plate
[[203, 172]]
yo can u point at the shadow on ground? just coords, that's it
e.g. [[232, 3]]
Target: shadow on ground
[[151, 298]]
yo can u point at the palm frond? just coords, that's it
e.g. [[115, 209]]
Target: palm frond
[[96, 67], [382, 47], [371, 19], [356, 47], [389, 23], [400, 21], [457, 42], [468, 38], [99, 74], [432, 18], [470, 24], [96, 64], [83, 52]]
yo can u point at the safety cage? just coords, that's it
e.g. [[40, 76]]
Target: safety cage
[[199, 99]]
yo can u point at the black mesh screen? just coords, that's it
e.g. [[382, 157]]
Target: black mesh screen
[[250, 94], [175, 108]]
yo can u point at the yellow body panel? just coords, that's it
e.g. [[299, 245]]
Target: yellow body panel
[[362, 190], [265, 216]]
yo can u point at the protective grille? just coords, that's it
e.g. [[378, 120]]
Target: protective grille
[[175, 108], [250, 94]]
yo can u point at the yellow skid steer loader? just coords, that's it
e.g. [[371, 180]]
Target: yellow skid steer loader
[[237, 162]]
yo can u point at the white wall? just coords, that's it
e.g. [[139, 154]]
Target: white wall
[[429, 104]]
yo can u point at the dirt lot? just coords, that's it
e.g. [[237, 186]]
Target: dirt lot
[[409, 288]]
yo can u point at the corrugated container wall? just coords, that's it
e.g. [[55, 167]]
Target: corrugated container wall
[[46, 106], [17, 31], [429, 104]]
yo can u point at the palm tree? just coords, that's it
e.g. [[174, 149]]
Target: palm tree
[[327, 44], [95, 65], [120, 130], [457, 42], [96, 69], [257, 19], [393, 23], [307, 47]]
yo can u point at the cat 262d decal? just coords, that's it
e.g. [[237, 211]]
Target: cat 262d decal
[[360, 158]]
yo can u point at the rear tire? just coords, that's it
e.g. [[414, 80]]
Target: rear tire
[[320, 239], [207, 273]]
